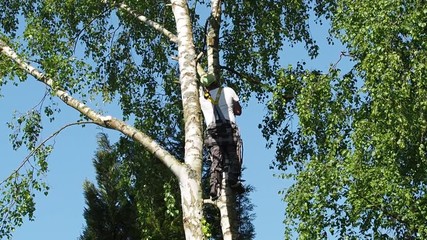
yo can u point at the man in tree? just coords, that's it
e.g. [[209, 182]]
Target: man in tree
[[220, 105]]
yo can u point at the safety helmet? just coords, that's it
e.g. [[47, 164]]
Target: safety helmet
[[207, 79]]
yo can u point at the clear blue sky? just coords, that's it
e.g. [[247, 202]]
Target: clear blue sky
[[59, 215]]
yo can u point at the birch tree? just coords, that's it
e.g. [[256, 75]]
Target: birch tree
[[358, 155], [139, 53]]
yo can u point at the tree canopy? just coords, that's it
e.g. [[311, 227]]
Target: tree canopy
[[358, 152], [142, 54]]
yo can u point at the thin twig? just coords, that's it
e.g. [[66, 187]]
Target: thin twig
[[240, 74], [77, 36], [343, 54], [27, 158]]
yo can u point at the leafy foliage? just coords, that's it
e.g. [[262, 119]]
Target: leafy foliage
[[18, 190], [358, 153]]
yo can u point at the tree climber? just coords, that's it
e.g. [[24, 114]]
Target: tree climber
[[220, 105]]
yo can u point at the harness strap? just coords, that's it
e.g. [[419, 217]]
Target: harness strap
[[215, 102], [218, 94]]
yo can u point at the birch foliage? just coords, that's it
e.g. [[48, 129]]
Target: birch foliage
[[354, 140]]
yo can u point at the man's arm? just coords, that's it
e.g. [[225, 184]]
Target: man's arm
[[237, 109]]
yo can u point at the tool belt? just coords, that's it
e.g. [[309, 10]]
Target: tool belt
[[221, 133]]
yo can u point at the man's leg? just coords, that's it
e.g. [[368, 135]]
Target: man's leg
[[234, 168], [234, 164]]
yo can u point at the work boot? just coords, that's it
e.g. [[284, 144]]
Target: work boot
[[238, 187]]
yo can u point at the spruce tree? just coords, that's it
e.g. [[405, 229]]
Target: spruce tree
[[136, 197]]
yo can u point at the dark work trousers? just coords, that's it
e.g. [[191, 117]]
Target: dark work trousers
[[225, 156]]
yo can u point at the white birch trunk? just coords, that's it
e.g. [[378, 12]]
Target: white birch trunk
[[190, 179]]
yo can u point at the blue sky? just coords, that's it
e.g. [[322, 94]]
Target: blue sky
[[60, 214]]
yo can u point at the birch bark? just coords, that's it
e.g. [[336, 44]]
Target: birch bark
[[190, 179]]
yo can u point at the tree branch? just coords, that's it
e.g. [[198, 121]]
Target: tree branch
[[343, 54], [105, 121], [27, 158], [242, 76], [172, 37]]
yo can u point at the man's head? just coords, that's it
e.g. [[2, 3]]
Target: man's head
[[209, 81]]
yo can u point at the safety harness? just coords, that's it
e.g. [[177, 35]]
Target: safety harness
[[209, 97], [218, 114]]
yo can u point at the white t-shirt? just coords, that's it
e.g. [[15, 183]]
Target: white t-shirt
[[225, 103]]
